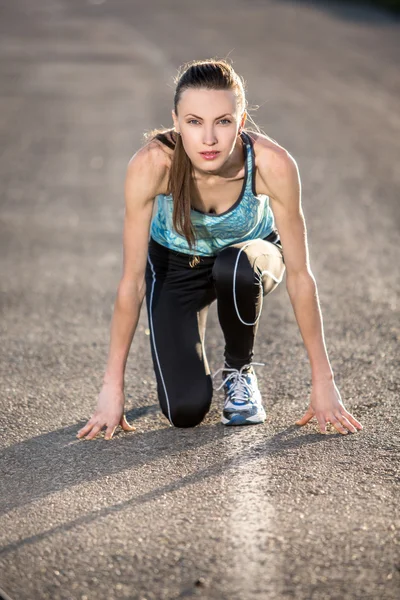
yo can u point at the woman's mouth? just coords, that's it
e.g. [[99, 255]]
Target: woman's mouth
[[209, 155]]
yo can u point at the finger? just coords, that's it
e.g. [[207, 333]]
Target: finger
[[338, 426], [85, 429], [346, 423], [322, 424], [353, 420], [109, 432], [305, 418], [125, 425], [94, 432]]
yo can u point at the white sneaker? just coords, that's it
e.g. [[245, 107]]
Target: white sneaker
[[243, 405]]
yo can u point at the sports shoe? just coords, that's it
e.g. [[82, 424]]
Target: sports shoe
[[242, 404]]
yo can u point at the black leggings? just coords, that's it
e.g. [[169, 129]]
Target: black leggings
[[178, 297]]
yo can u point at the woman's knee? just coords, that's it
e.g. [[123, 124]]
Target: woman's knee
[[187, 415], [231, 264], [272, 271], [187, 408]]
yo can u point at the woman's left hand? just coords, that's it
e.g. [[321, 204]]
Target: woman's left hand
[[327, 406]]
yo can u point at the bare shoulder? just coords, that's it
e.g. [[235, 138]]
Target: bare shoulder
[[170, 138], [274, 164], [148, 170]]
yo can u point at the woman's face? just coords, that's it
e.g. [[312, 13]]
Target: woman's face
[[208, 122]]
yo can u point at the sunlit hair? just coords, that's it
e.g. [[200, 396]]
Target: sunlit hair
[[212, 74]]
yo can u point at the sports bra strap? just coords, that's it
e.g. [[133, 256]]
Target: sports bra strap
[[165, 140]]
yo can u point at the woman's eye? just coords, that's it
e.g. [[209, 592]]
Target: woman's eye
[[225, 121]]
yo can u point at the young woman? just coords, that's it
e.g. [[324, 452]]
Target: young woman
[[224, 192]]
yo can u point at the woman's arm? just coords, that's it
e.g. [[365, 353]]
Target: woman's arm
[[144, 180], [284, 189], [300, 282]]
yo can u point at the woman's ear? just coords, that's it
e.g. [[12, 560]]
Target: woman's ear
[[175, 120]]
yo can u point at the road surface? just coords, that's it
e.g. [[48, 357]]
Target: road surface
[[267, 512]]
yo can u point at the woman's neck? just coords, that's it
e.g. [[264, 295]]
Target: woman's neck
[[228, 170]]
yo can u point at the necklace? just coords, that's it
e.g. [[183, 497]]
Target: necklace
[[194, 261]]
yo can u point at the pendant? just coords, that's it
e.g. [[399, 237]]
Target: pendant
[[195, 261]]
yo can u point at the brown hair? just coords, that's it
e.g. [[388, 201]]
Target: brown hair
[[209, 74]]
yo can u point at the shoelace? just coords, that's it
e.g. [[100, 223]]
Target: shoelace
[[241, 388]]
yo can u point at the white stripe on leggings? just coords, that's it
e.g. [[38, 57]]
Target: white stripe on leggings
[[153, 336]]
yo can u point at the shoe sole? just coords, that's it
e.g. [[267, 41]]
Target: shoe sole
[[238, 419]]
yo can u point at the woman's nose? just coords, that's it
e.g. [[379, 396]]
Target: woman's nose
[[209, 138]]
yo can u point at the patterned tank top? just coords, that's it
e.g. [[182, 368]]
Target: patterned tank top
[[249, 218]]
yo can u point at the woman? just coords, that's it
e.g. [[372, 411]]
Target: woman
[[223, 193]]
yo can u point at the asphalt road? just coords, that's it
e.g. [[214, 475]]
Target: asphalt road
[[265, 512]]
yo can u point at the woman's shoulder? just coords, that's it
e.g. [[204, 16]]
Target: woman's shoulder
[[166, 140], [162, 143], [264, 145], [272, 161], [150, 166]]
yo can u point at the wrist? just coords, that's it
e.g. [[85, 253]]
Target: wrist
[[114, 382], [321, 369], [322, 377]]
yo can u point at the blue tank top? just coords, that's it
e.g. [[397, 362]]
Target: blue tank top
[[249, 218]]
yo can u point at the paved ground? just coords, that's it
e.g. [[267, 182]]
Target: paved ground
[[269, 512]]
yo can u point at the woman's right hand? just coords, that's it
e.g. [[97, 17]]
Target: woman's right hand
[[109, 413]]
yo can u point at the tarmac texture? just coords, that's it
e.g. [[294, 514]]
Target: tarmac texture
[[265, 512]]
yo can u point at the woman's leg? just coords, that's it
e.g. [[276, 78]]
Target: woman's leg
[[177, 299], [243, 274]]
